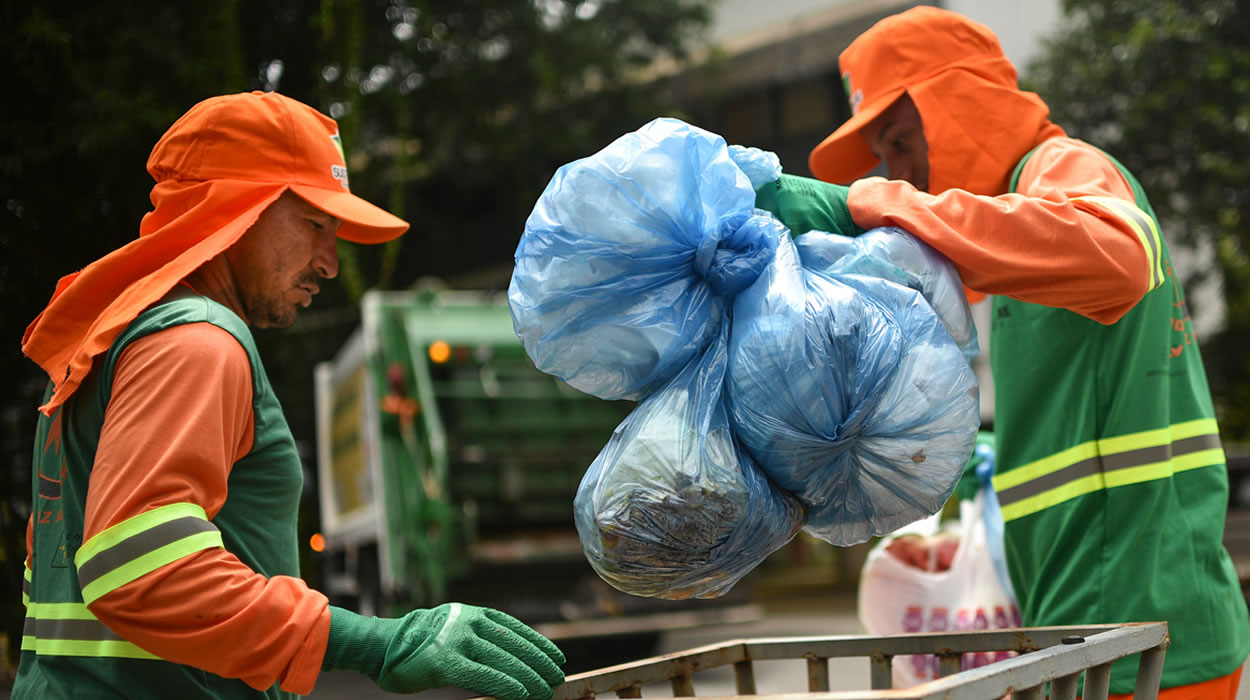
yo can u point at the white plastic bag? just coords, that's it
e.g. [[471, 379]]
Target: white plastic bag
[[895, 598]]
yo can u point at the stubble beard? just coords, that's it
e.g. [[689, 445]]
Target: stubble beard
[[276, 312], [270, 313]]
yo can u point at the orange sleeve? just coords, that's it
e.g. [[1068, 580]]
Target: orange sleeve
[[30, 542], [1038, 245], [166, 440]]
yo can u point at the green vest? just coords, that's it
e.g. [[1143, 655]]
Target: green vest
[[1111, 475], [66, 651]]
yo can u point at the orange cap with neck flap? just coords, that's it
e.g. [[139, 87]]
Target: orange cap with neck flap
[[978, 123], [216, 169]]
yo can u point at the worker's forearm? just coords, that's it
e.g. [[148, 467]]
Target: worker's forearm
[[1040, 250], [208, 610]]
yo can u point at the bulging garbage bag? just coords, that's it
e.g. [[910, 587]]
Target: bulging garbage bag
[[850, 394], [631, 256], [673, 507], [761, 167], [890, 253]]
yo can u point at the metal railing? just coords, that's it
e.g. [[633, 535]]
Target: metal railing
[[1054, 655]]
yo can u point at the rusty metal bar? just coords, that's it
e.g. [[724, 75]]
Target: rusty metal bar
[[744, 677], [683, 685], [633, 691], [817, 674], [1097, 683], [1064, 688], [1049, 660], [882, 670], [949, 664]]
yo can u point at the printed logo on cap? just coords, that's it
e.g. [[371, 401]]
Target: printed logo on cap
[[856, 96], [339, 172]]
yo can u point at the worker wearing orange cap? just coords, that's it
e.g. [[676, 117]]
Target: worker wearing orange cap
[[1110, 472], [162, 557]]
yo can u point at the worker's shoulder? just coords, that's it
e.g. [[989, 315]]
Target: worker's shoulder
[[188, 329], [192, 319], [1064, 161], [199, 348], [1062, 148]]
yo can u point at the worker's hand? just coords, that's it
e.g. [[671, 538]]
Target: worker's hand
[[804, 204], [482, 650]]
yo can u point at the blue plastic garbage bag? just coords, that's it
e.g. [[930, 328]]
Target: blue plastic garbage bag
[[850, 394], [761, 167], [673, 507], [893, 254], [631, 256]]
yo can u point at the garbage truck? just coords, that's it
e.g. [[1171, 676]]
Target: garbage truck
[[447, 468]]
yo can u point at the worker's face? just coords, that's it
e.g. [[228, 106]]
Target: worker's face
[[896, 136], [278, 263]]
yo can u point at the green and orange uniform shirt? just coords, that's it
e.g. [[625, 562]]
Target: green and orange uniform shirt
[[1110, 471], [161, 552], [135, 549]]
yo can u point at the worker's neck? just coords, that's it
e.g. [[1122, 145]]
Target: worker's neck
[[214, 280]]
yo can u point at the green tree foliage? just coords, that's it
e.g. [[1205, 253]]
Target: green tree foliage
[[1164, 85], [455, 113], [474, 105]]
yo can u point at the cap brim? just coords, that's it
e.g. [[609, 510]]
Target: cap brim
[[844, 155], [362, 221]]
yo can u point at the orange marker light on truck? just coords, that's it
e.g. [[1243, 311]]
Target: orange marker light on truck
[[440, 352]]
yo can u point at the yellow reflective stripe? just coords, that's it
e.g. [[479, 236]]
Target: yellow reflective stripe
[[1143, 225], [142, 544], [1195, 460], [1158, 436], [25, 585], [1162, 470], [69, 629], [60, 611], [1053, 497], [114, 648], [136, 525], [1044, 466], [150, 562], [1193, 428], [1108, 463]]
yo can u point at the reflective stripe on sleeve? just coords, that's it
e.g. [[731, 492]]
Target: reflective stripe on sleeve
[[25, 585], [142, 544], [1108, 463], [69, 629], [1142, 224]]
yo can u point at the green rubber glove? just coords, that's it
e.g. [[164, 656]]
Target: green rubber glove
[[482, 650], [804, 204]]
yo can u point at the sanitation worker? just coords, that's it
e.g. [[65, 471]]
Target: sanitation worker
[[1110, 472], [162, 549]]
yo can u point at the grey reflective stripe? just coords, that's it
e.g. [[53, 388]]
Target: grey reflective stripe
[[49, 488], [1107, 463], [137, 545], [26, 586], [1147, 226], [1055, 479], [85, 630]]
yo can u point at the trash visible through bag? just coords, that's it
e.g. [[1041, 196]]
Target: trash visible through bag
[[771, 396]]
